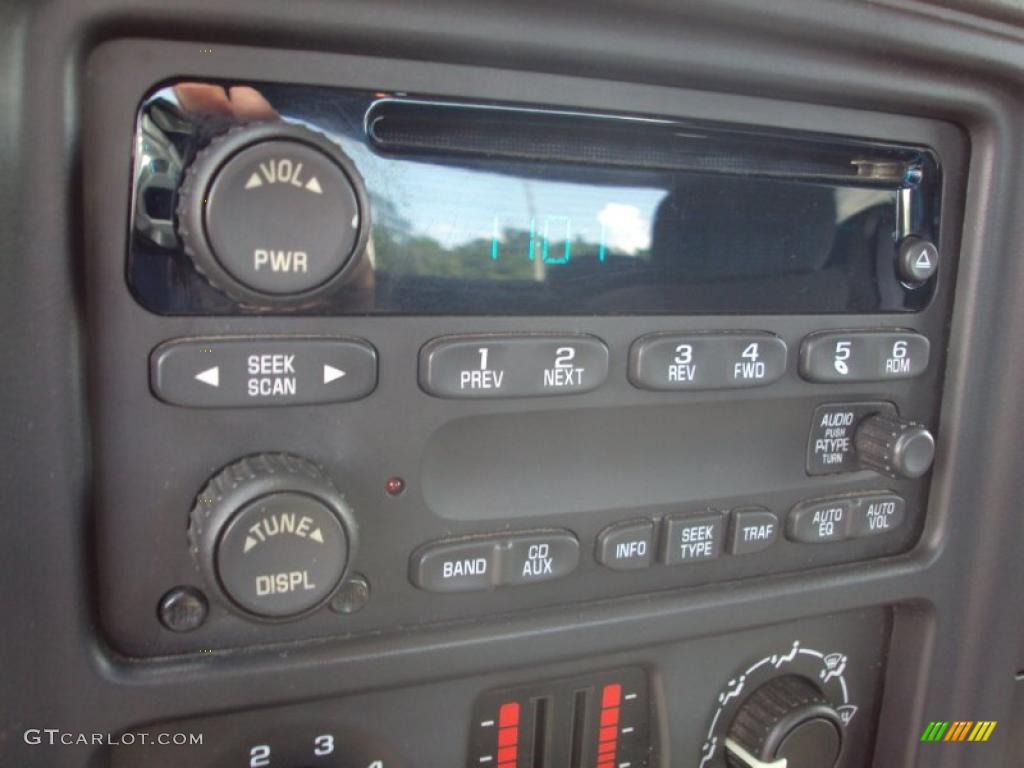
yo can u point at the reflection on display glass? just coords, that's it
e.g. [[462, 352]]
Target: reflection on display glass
[[526, 212]]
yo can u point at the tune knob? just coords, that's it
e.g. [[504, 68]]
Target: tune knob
[[894, 447], [272, 536], [272, 213], [786, 723]]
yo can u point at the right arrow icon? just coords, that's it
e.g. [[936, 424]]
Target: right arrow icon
[[210, 376], [331, 373]]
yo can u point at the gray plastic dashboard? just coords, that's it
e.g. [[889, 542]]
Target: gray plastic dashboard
[[75, 639]]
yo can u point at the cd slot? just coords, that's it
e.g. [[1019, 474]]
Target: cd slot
[[420, 127]]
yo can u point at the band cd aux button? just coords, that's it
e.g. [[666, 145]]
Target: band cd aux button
[[542, 556], [244, 371], [753, 530], [455, 566], [818, 522], [626, 546], [878, 513], [706, 360], [512, 366], [693, 538], [863, 356]]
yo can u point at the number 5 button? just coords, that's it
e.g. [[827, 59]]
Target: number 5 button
[[863, 356], [669, 361]]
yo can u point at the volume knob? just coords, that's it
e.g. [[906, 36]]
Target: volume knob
[[894, 447], [272, 536], [786, 723], [272, 213]]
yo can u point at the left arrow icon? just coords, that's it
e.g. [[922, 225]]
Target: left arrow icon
[[210, 376]]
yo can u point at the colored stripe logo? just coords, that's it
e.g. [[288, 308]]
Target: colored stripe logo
[[958, 730]]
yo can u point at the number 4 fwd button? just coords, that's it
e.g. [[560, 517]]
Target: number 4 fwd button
[[670, 361]]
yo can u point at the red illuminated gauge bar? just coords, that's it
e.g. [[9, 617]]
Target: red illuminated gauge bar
[[508, 735], [608, 733]]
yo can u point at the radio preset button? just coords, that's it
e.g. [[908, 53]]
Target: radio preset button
[[626, 546], [229, 372], [878, 513], [669, 361], [693, 538], [753, 530], [830, 443], [542, 556], [455, 566], [819, 522], [863, 356], [512, 366]]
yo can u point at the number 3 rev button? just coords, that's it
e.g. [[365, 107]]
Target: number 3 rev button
[[667, 361]]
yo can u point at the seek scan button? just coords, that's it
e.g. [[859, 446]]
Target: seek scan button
[[626, 546]]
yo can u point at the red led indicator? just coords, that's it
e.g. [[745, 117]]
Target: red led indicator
[[608, 734], [508, 734]]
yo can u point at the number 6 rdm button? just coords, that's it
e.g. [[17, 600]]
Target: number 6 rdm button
[[512, 366], [863, 356]]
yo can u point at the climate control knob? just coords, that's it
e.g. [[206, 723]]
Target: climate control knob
[[272, 213], [272, 536], [786, 723], [894, 447]]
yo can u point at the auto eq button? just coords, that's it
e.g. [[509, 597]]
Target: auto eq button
[[245, 371], [819, 522]]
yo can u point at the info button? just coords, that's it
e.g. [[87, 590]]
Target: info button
[[225, 372]]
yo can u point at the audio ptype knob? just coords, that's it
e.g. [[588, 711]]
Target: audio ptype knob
[[894, 447], [272, 213], [272, 536], [786, 722]]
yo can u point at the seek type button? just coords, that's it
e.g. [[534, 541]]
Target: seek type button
[[818, 522], [693, 538], [541, 556], [244, 371]]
